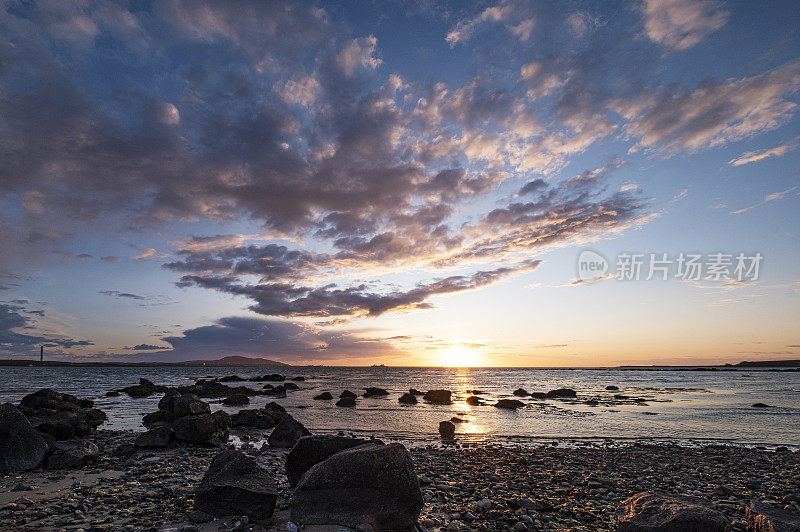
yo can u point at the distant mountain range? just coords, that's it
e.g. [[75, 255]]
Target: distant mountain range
[[230, 361]]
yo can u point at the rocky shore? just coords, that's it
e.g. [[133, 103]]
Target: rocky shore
[[184, 473]]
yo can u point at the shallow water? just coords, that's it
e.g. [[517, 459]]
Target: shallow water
[[678, 404]]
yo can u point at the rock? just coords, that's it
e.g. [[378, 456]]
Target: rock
[[287, 432], [538, 395], [145, 388], [311, 450], [94, 417], [53, 400], [655, 512], [509, 404], [277, 391], [237, 399], [159, 436], [760, 405], [230, 378], [346, 401], [439, 397], [275, 407], [59, 430], [71, 454], [414, 391], [375, 392], [258, 419], [762, 517], [299, 378], [324, 396], [21, 446], [274, 378], [408, 399], [203, 428], [189, 405], [561, 392], [347, 393], [473, 401], [112, 393], [166, 402], [235, 485], [456, 420], [210, 389], [612, 388], [521, 392], [290, 386], [157, 417], [372, 485], [447, 430]]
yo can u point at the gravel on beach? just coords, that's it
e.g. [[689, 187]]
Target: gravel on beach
[[475, 486]]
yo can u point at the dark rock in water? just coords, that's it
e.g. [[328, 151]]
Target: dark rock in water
[[71, 454], [277, 391], [762, 517], [159, 416], [53, 400], [145, 388], [439, 397], [612, 388], [274, 378], [622, 397], [561, 392], [456, 420], [21, 446], [509, 404], [521, 392], [346, 401], [408, 399], [375, 392], [311, 450], [112, 393], [189, 405], [287, 432], [324, 396], [591, 402], [447, 430], [275, 407], [258, 419], [370, 484], [213, 390], [290, 386], [299, 378], [473, 401], [210, 429], [414, 391], [94, 417], [58, 429], [347, 393], [656, 512], [167, 402], [760, 405], [237, 399], [476, 392], [538, 395], [230, 378], [159, 436], [236, 485]]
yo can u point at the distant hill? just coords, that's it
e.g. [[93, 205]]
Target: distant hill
[[770, 364], [231, 361]]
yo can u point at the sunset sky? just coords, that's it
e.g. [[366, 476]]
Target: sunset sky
[[407, 182]]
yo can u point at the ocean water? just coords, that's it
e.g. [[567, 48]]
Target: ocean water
[[681, 405]]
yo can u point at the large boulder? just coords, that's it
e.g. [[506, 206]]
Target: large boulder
[[324, 396], [235, 485], [212, 429], [408, 399], [158, 436], [561, 392], [287, 432], [310, 450], [447, 430], [237, 399], [71, 454], [347, 393], [21, 446], [762, 517], [375, 392], [157, 418], [53, 400], [509, 404], [145, 388], [473, 400], [367, 486], [657, 512], [521, 392], [58, 429], [257, 419], [346, 401], [439, 397], [168, 400], [189, 405]]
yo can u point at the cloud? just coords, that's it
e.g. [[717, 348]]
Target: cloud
[[359, 53], [683, 194], [681, 24], [150, 253], [514, 14], [122, 295], [15, 316], [755, 156], [283, 340], [769, 197], [146, 347], [110, 259]]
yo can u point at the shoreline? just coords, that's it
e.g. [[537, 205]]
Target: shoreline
[[545, 486]]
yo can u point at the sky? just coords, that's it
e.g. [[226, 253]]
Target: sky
[[565, 183]]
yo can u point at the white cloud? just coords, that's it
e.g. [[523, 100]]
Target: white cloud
[[755, 156], [359, 53], [680, 24]]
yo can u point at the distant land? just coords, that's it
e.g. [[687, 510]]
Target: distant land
[[231, 361]]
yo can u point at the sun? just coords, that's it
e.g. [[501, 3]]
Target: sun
[[459, 356]]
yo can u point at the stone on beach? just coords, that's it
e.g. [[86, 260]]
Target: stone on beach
[[439, 397], [311, 450], [612, 388], [347, 393], [521, 392], [473, 400], [561, 392], [145, 388], [408, 399], [760, 405], [212, 429], [236, 399], [370, 485], [236, 485], [257, 419], [657, 512], [189, 405], [324, 396], [375, 392], [53, 400], [156, 418], [21, 446], [346, 401], [158, 436], [414, 391], [287, 432], [762, 517], [447, 430], [509, 404], [71, 454]]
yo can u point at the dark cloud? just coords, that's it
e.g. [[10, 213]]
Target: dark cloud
[[110, 259], [146, 347], [122, 295], [17, 316]]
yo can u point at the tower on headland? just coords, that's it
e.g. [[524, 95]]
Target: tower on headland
[[41, 353]]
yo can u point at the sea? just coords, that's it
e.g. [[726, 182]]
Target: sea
[[681, 405]]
